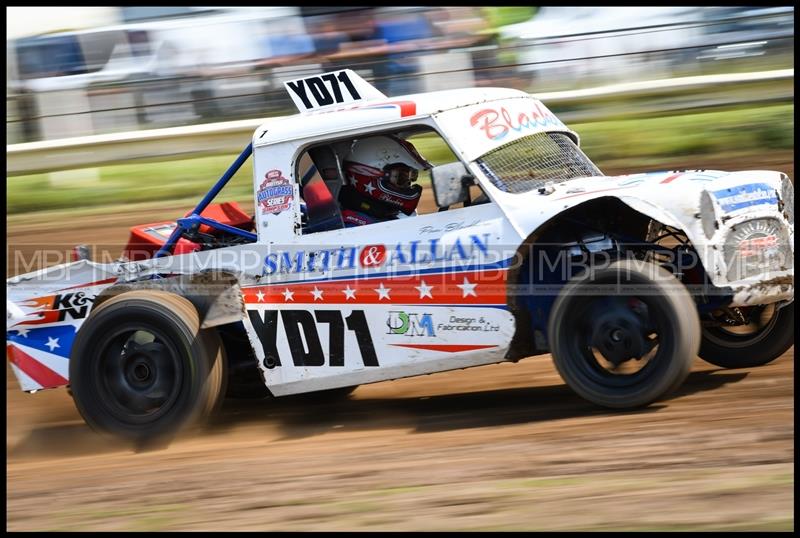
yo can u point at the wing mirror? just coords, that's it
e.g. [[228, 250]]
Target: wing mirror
[[451, 184]]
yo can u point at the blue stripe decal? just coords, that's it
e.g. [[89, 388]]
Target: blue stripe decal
[[743, 196], [504, 264]]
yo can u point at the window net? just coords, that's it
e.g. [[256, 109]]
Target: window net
[[535, 160]]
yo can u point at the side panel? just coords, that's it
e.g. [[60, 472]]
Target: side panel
[[45, 311], [277, 207], [389, 300]]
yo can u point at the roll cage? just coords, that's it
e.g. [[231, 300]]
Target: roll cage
[[191, 223]]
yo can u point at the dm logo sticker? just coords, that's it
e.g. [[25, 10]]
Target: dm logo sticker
[[275, 194], [400, 322]]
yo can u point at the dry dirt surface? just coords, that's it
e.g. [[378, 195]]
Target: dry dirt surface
[[501, 447]]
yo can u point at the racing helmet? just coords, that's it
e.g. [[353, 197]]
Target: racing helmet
[[383, 168]]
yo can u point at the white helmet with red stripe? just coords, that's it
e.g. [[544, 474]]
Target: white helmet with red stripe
[[383, 168]]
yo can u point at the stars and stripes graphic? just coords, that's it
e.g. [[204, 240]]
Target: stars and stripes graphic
[[40, 356], [458, 288]]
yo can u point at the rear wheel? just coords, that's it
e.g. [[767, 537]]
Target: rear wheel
[[142, 369], [749, 336], [625, 335]]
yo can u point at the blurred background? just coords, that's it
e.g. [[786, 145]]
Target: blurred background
[[78, 71]]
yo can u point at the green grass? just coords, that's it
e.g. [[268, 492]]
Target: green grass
[[747, 130], [637, 141], [130, 184]]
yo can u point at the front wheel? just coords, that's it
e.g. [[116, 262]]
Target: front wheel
[[625, 335], [762, 334]]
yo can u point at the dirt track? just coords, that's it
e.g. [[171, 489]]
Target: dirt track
[[497, 447], [505, 447]]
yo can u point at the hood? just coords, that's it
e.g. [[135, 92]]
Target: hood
[[673, 195], [705, 204]]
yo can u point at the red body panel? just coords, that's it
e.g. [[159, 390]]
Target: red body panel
[[146, 239]]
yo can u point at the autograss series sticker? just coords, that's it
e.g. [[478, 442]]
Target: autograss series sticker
[[275, 194]]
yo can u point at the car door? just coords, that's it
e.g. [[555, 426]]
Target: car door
[[421, 294]]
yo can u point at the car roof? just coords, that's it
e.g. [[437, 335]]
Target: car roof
[[364, 116]]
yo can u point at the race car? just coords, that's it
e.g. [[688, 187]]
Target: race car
[[529, 250]]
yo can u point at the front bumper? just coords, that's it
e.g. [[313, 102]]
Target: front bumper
[[778, 288]]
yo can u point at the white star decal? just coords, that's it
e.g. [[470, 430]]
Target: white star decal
[[317, 293], [52, 343], [350, 294], [22, 332], [260, 296], [383, 293], [424, 290], [467, 288], [288, 295], [369, 187]]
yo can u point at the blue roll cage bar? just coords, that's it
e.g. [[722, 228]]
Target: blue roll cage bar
[[193, 221]]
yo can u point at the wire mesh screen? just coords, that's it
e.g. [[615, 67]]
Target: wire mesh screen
[[533, 161]]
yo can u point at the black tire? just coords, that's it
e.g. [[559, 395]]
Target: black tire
[[771, 338], [141, 369], [620, 322]]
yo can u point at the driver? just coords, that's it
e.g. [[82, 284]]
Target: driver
[[379, 172]]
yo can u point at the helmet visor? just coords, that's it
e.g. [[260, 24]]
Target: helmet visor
[[401, 175]]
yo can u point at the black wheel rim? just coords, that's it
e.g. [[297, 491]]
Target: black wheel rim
[[762, 320], [617, 341], [139, 373]]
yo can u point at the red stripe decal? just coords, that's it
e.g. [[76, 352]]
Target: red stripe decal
[[407, 108], [449, 348], [466, 288], [34, 369], [670, 178]]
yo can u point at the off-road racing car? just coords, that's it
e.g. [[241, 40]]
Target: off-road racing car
[[528, 250]]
